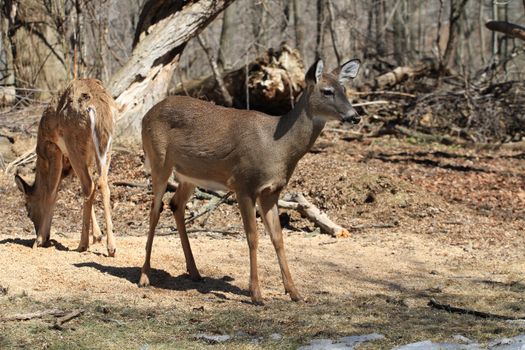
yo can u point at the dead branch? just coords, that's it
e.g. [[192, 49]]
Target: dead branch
[[33, 315], [66, 318], [511, 29], [298, 202], [458, 310]]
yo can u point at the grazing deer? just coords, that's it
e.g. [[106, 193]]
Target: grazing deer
[[248, 152], [74, 131]]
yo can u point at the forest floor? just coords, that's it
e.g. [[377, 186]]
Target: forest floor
[[426, 221]]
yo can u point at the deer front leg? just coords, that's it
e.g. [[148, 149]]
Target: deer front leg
[[177, 205], [52, 159], [159, 187], [270, 215], [97, 233], [247, 207]]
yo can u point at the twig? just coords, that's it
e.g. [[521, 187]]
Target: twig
[[32, 315], [364, 227], [382, 102], [458, 310], [381, 92], [129, 184], [66, 318]]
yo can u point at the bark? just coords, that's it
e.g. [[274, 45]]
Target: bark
[[163, 30], [274, 81]]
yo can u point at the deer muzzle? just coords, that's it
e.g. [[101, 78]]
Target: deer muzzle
[[351, 117]]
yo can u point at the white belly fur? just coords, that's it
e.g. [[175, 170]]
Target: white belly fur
[[210, 185]]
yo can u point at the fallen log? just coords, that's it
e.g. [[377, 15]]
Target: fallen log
[[298, 202], [401, 74], [273, 82]]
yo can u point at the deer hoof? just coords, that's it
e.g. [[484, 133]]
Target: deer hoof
[[111, 252], [81, 248], [144, 280]]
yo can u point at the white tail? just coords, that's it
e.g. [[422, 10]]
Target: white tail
[[101, 156], [250, 153]]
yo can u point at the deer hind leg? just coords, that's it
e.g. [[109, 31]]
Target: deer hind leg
[[247, 208], [81, 168], [178, 205], [270, 215], [159, 181], [104, 188]]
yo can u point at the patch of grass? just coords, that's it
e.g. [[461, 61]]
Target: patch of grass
[[250, 327]]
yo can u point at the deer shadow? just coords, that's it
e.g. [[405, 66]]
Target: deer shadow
[[29, 243], [162, 279]]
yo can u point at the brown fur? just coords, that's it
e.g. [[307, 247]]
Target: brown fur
[[250, 153], [66, 123]]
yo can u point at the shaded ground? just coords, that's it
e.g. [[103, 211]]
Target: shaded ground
[[455, 222]]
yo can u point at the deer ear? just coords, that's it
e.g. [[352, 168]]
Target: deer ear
[[22, 185], [315, 72], [347, 71]]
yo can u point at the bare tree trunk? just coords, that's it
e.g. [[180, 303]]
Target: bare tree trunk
[[319, 42], [228, 31], [456, 15], [163, 30], [333, 32], [299, 26], [482, 34], [379, 15]]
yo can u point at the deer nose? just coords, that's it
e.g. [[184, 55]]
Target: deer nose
[[352, 117]]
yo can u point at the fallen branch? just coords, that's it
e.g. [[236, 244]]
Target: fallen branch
[[66, 318], [457, 310], [511, 29], [32, 315], [304, 207], [23, 159], [361, 104], [214, 203]]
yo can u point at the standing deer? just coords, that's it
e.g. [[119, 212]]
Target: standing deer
[[75, 131], [248, 152]]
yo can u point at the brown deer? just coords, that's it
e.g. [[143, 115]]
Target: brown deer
[[74, 131], [248, 152]]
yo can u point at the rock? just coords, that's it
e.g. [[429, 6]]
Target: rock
[[516, 343], [429, 345], [213, 338], [342, 343], [276, 336]]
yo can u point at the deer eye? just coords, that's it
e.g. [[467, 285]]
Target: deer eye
[[328, 91]]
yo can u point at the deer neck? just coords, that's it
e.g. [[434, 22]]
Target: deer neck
[[297, 130]]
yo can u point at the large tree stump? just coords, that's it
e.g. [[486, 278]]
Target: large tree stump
[[163, 31], [274, 81]]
